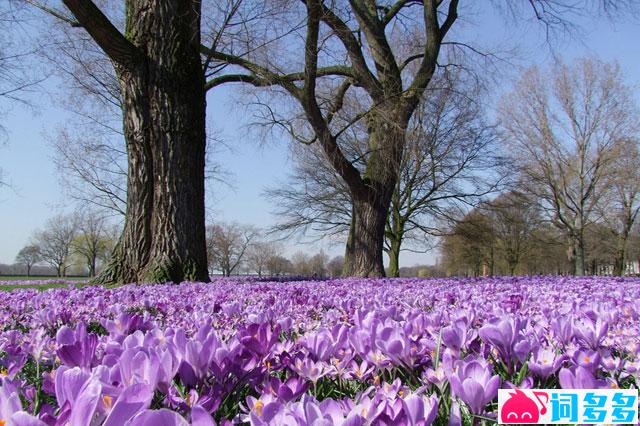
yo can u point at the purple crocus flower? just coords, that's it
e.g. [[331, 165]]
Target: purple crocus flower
[[544, 362], [201, 417], [162, 417], [473, 383], [82, 410], [258, 338], [455, 417], [130, 402], [588, 359], [11, 413], [263, 410], [289, 390], [126, 323], [506, 337], [563, 329], [68, 384], [592, 333], [310, 370], [578, 378], [420, 410], [76, 347], [457, 335], [323, 344]]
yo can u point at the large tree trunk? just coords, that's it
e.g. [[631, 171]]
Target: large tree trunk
[[92, 266], [576, 255], [164, 124], [619, 264], [365, 245], [394, 256], [371, 203]]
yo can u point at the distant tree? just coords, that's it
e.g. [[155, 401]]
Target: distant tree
[[56, 242], [227, 245], [29, 256], [335, 266], [620, 202], [300, 264], [469, 248], [92, 240], [563, 129], [514, 219], [317, 264], [259, 254], [310, 265], [279, 265]]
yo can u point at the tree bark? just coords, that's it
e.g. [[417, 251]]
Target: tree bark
[[367, 240], [371, 200], [92, 267], [619, 260], [164, 125], [576, 254], [394, 256]]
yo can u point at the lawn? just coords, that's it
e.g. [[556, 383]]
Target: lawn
[[344, 351], [8, 283], [23, 278]]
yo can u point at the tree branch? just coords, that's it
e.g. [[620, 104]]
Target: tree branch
[[103, 32]]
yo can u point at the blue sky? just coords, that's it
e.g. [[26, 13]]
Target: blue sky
[[27, 163]]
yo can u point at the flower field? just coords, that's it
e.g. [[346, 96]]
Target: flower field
[[338, 352]]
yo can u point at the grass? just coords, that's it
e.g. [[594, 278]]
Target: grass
[[24, 278], [9, 287], [37, 277]]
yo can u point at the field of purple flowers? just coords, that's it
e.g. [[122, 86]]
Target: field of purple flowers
[[339, 352]]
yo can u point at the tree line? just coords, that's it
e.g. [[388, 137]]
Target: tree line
[[571, 136], [83, 244], [351, 87]]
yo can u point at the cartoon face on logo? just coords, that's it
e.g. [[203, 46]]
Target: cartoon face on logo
[[519, 408]]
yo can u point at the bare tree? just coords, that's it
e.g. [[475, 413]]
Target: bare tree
[[514, 220], [163, 111], [450, 160], [349, 51], [335, 266], [259, 254], [227, 245], [469, 247], [91, 241], [29, 256], [56, 242], [620, 203], [17, 77], [563, 130], [279, 265]]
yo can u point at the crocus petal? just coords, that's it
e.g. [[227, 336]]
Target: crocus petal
[[162, 417], [84, 407], [200, 417], [455, 418], [69, 382], [567, 379], [414, 408], [472, 395], [131, 401], [22, 418]]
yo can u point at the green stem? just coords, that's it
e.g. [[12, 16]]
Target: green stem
[[36, 402]]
